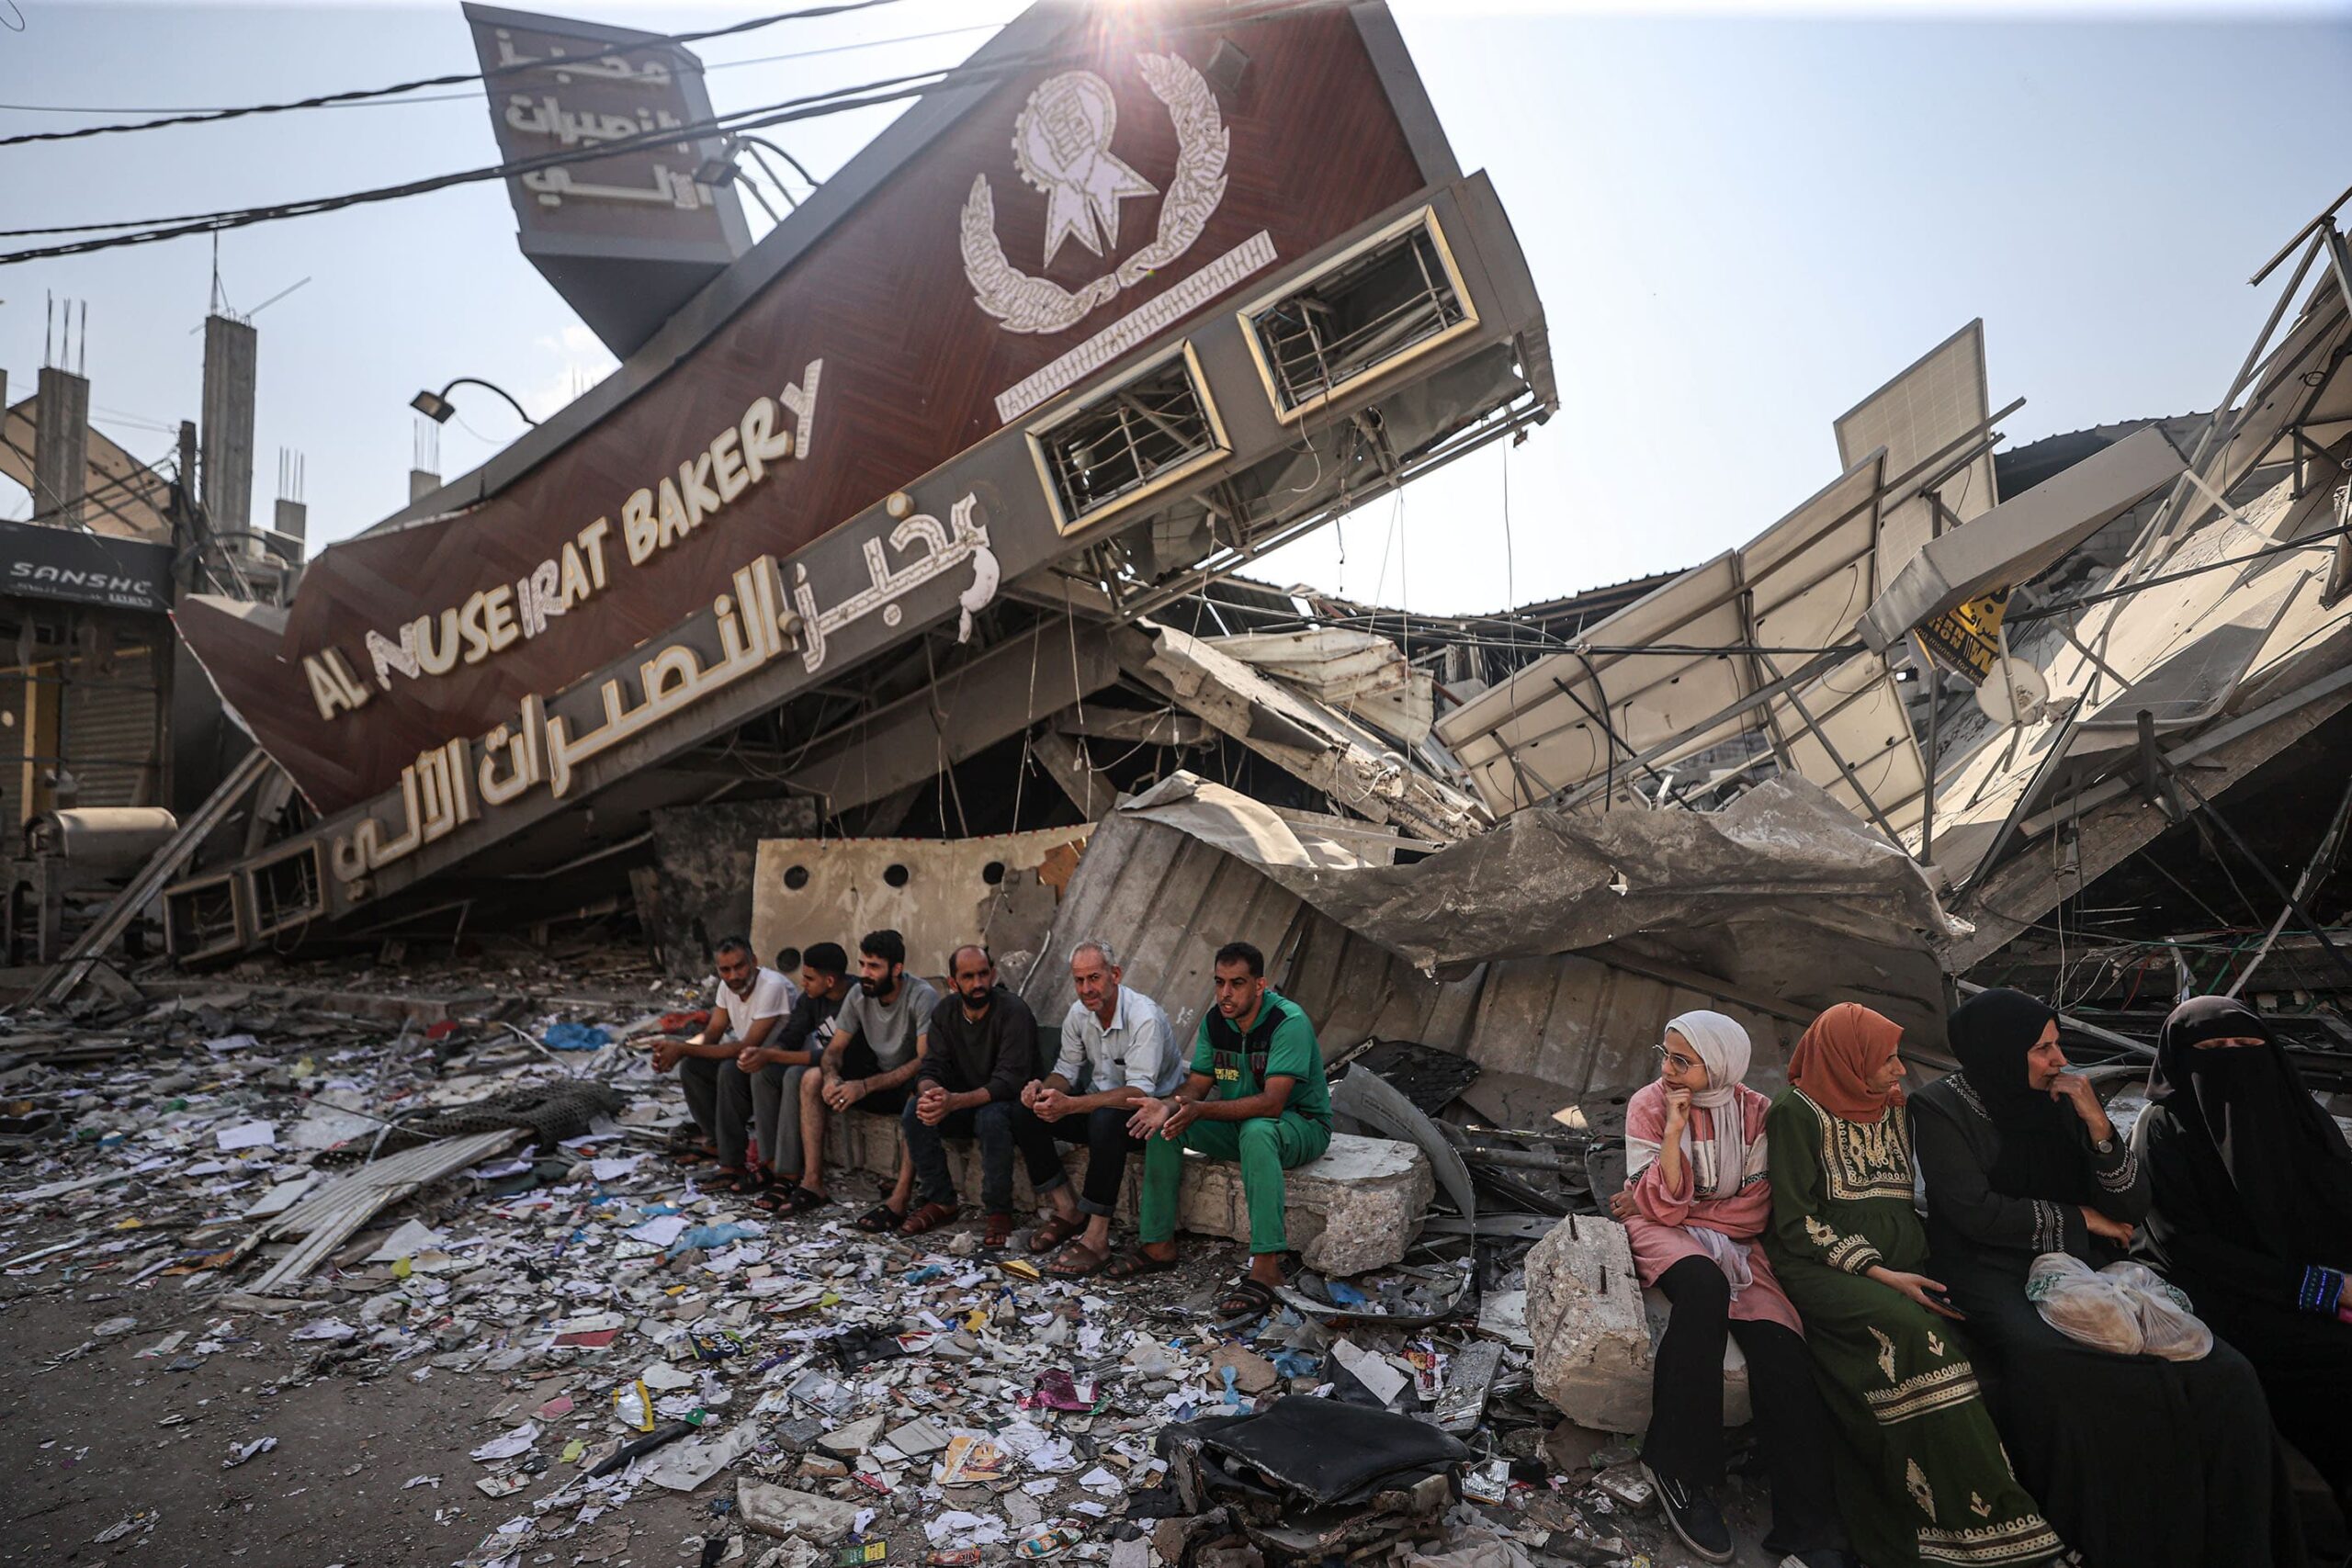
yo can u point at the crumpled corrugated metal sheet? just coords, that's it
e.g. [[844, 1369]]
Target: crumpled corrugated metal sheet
[[1784, 854], [1551, 950]]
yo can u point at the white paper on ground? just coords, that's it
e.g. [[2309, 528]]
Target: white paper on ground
[[282, 1197], [687, 1465], [246, 1135], [660, 1230], [518, 1441], [1371, 1371], [413, 1238]]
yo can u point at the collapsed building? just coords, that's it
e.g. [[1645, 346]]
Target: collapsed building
[[884, 570], [889, 582]]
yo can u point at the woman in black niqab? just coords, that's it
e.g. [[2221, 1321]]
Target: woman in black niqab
[[2252, 1183], [2138, 1462]]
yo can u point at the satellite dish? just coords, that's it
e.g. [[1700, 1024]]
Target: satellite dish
[[2013, 693]]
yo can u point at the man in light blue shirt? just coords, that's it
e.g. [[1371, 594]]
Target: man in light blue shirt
[[1115, 1054]]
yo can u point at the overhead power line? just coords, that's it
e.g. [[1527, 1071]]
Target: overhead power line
[[149, 230], [153, 231], [328, 100], [475, 95]]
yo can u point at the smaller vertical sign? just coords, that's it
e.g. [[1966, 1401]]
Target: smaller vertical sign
[[629, 236]]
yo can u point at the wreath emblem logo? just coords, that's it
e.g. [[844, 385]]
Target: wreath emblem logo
[[1061, 145]]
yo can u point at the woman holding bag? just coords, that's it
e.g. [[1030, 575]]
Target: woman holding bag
[[2020, 1161], [1695, 1204]]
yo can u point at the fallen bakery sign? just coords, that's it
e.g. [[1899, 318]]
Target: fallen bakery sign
[[653, 518], [758, 622], [1099, 185]]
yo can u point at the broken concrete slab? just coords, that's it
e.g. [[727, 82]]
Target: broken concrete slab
[[853, 1439], [1356, 1209], [779, 1511], [1594, 1331]]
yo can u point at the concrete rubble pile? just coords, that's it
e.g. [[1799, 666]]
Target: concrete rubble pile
[[641, 1356]]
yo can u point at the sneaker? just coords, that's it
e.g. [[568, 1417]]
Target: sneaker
[[1694, 1517]]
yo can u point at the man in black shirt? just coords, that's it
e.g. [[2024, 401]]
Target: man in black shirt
[[761, 1085], [982, 1051]]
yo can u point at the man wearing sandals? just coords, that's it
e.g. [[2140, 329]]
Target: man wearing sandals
[[1255, 1094], [763, 1084], [752, 1002], [983, 1050], [878, 1041], [1115, 1055]]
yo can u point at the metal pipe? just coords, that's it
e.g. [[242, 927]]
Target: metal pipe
[[2327, 216], [2315, 870], [2294, 904], [1852, 781], [1811, 670]]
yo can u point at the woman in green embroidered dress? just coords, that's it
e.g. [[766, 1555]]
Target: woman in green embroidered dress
[[1922, 1476]]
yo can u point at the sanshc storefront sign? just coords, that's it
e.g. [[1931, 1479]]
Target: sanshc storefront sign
[[38, 562]]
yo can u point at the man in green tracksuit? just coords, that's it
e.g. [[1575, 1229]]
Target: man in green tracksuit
[[1256, 1094]]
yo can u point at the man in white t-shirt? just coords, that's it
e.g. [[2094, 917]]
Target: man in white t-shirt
[[752, 1002]]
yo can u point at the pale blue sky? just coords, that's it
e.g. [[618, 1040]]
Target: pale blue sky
[[1739, 222]]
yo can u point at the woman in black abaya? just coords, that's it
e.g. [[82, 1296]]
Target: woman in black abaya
[[2252, 1183], [2139, 1463]]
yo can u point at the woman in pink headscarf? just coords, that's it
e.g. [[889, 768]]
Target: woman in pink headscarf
[[1695, 1205]]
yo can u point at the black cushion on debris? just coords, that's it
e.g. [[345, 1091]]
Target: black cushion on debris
[[1333, 1452]]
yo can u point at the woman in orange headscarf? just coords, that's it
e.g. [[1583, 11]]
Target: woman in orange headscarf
[[1922, 1477]]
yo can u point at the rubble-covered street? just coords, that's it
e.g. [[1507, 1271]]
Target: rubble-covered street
[[906, 913], [466, 1375]]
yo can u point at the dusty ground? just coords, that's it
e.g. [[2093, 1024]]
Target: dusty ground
[[105, 1437]]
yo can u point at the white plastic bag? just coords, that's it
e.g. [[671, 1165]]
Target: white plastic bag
[[2125, 1307], [2168, 1327]]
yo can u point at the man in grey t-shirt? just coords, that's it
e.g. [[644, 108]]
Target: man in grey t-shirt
[[878, 1041]]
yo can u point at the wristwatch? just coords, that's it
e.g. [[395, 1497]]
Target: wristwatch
[[2105, 1145]]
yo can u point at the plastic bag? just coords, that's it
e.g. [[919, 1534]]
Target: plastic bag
[[2168, 1327], [2126, 1308]]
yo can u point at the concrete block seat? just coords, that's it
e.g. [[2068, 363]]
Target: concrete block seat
[[1356, 1209], [1595, 1329]]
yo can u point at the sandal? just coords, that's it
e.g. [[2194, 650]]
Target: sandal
[[1076, 1262], [692, 1156], [788, 1198], [1054, 1231], [880, 1218], [998, 1232], [1247, 1299], [929, 1217], [1136, 1265], [737, 1183]]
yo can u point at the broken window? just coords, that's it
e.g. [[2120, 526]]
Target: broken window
[[288, 891], [1359, 316], [200, 919], [1150, 431]]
